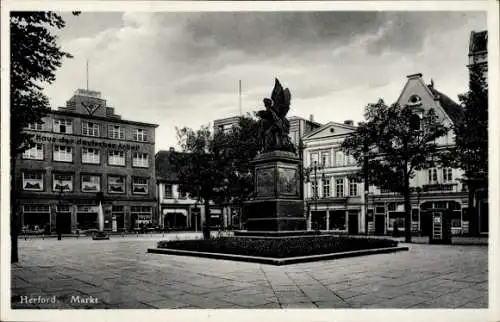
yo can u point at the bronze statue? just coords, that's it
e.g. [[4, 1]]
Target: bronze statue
[[274, 126]]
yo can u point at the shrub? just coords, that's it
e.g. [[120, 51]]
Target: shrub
[[279, 247]]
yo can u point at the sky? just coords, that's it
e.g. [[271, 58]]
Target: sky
[[182, 69]]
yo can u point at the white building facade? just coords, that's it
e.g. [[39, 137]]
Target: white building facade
[[341, 204]]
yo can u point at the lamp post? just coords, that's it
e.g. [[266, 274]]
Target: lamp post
[[58, 214]]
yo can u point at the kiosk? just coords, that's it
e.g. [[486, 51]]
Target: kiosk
[[441, 227]]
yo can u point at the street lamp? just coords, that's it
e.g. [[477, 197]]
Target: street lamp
[[58, 220]]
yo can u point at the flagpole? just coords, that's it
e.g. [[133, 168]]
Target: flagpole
[[241, 113]]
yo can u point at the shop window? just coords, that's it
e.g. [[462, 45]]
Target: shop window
[[141, 216], [337, 220], [33, 181], [140, 186], [116, 157], [91, 156], [116, 184], [35, 153], [397, 218], [62, 182], [36, 218], [456, 219], [91, 183]]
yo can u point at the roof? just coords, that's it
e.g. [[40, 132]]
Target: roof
[[306, 120], [93, 117], [454, 111], [478, 41], [166, 167]]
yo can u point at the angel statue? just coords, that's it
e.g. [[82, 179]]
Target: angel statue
[[274, 126]]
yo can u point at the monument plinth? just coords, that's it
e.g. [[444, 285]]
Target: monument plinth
[[277, 208], [277, 204]]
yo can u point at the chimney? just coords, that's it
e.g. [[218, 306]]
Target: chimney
[[348, 122], [311, 118], [172, 149]]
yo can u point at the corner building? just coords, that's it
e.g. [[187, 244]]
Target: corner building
[[81, 150]]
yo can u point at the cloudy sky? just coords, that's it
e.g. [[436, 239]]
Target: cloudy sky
[[182, 69]]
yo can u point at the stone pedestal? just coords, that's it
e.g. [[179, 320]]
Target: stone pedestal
[[277, 204]]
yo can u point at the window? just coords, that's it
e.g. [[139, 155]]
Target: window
[[141, 215], [140, 135], [35, 126], [325, 159], [63, 126], [62, 182], [339, 187], [35, 153], [353, 188], [140, 186], [116, 158], [63, 153], [182, 192], [397, 219], [32, 181], [140, 160], [90, 155], [432, 173], [314, 189], [447, 174], [456, 219], [116, 184], [326, 188], [91, 183], [337, 220], [168, 191], [314, 158], [90, 129], [116, 132], [339, 158], [349, 160]]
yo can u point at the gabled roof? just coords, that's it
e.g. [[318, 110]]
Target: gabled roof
[[452, 109], [165, 166], [326, 126]]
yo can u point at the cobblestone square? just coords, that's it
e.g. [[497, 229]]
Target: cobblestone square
[[120, 274]]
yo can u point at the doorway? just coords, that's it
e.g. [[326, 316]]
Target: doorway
[[379, 225], [353, 223]]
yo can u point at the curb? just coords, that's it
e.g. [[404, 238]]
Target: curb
[[277, 261]]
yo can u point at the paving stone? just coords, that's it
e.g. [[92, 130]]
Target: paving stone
[[122, 273], [299, 305]]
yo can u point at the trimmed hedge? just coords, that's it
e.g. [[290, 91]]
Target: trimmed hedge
[[279, 247]]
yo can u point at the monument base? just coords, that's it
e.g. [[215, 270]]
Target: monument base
[[278, 206]]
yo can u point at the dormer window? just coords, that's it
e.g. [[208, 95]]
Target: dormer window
[[414, 100]]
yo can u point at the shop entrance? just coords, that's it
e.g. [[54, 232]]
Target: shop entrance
[[353, 223], [379, 225]]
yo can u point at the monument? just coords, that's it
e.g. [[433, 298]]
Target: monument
[[277, 207]]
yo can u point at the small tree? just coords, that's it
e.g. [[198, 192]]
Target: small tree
[[398, 143], [35, 56], [217, 166], [471, 140]]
